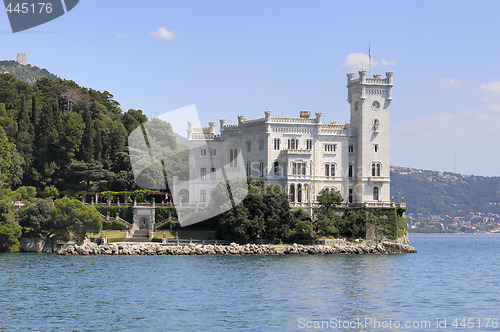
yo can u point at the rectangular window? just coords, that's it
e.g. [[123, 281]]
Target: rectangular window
[[203, 196], [249, 146], [303, 168], [276, 143], [309, 144], [261, 168], [212, 173], [350, 171], [330, 147], [203, 152], [261, 144], [248, 168], [351, 148], [375, 147], [203, 173], [294, 166], [213, 152]]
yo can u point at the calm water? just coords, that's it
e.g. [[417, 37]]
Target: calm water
[[452, 276]]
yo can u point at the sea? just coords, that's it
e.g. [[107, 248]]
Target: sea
[[452, 283]]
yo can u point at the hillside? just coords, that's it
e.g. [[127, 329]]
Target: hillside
[[27, 73], [437, 193]]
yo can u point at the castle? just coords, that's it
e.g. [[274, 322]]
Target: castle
[[303, 155]]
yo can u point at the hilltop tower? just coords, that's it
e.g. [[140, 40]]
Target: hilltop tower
[[369, 143], [21, 59]]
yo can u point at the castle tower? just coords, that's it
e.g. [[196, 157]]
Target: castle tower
[[369, 144], [21, 59]]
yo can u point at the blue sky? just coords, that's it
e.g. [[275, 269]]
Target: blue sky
[[239, 57]]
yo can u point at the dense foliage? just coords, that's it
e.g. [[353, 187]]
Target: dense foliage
[[63, 218], [263, 215]]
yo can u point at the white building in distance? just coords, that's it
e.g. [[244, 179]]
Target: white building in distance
[[303, 155]]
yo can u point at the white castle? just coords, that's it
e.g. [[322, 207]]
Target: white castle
[[303, 155]]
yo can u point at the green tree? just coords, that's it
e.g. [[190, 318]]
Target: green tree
[[36, 219], [5, 156], [72, 217]]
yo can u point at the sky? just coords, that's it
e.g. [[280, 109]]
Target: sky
[[242, 57]]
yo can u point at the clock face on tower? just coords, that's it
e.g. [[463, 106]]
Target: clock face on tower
[[376, 105]]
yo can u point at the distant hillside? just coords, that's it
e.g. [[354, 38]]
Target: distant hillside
[[431, 192], [27, 73]]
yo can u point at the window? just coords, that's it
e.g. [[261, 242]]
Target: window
[[203, 152], [350, 195], [261, 144], [299, 193], [327, 170], [376, 124], [276, 143], [299, 168], [213, 175], [203, 196], [332, 170], [330, 147], [376, 167], [277, 168], [249, 146], [203, 173], [306, 189], [309, 144], [375, 147], [292, 193], [261, 168], [350, 170], [293, 144], [375, 193], [249, 168], [213, 152], [351, 148], [233, 161]]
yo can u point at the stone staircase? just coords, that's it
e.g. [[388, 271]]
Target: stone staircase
[[140, 235]]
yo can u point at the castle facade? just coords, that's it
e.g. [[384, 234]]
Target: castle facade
[[303, 155]]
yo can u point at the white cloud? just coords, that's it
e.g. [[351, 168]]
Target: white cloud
[[451, 83], [163, 33], [478, 126], [387, 62], [491, 87], [123, 36], [360, 61]]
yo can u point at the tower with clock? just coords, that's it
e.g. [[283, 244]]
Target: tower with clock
[[369, 140]]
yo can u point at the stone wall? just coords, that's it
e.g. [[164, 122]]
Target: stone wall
[[42, 244]]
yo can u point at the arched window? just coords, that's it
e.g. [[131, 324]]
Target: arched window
[[327, 170], [203, 173], [292, 193], [376, 167], [299, 193], [375, 193], [376, 124], [306, 190], [350, 195], [327, 190], [276, 168], [332, 170], [203, 196], [212, 173]]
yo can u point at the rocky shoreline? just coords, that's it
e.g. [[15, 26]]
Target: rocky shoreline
[[235, 249]]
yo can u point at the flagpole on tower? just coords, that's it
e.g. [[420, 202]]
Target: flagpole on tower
[[369, 58]]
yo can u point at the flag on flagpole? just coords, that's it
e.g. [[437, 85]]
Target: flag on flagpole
[[369, 52]]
